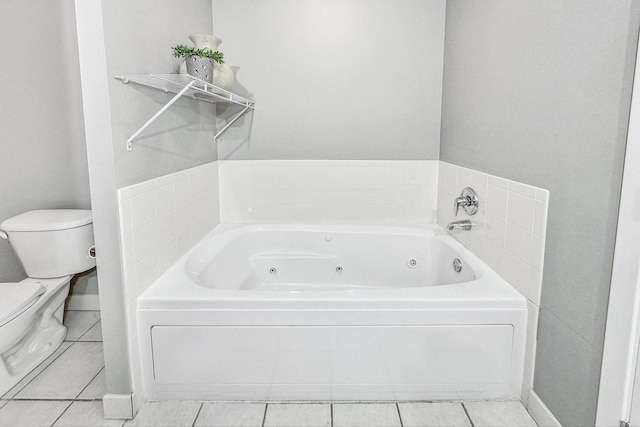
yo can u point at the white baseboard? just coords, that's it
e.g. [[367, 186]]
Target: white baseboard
[[540, 413], [117, 406], [86, 302]]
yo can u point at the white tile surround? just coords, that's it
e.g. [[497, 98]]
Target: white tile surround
[[328, 191], [162, 218], [508, 234]]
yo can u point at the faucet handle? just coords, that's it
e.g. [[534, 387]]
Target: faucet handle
[[459, 201], [468, 200]]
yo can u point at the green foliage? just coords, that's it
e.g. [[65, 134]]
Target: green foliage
[[182, 51]]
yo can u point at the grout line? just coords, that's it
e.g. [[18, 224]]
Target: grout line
[[331, 409], [399, 415], [467, 414], [90, 381], [264, 417], [197, 414], [39, 373], [88, 329], [60, 416]]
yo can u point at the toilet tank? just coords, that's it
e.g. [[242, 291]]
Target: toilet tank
[[53, 242]]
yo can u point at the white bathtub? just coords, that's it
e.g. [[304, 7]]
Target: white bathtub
[[281, 312]]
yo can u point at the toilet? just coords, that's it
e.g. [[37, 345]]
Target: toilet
[[52, 245]]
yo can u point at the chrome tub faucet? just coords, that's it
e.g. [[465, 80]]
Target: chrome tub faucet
[[463, 224]]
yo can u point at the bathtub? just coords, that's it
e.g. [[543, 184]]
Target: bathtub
[[326, 313]]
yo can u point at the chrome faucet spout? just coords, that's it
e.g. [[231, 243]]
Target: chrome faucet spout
[[463, 224]]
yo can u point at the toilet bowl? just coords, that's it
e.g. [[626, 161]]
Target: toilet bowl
[[52, 246]]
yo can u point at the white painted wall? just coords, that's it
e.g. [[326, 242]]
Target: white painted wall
[[42, 144], [335, 79], [138, 40]]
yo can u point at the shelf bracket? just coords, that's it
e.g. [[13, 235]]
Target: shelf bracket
[[155, 116], [232, 121]]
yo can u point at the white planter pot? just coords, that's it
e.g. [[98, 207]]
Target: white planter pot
[[200, 67]]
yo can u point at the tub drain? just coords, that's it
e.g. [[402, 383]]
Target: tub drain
[[273, 271], [412, 263], [339, 269]]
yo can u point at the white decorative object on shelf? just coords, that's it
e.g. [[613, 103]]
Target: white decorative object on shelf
[[222, 73], [186, 85], [205, 41]]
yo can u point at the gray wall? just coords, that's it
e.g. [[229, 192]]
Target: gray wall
[[138, 40], [42, 146], [335, 79], [538, 92]]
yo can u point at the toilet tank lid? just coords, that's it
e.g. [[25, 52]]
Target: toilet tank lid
[[48, 220]]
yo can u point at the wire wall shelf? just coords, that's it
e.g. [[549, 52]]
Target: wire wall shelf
[[189, 86]]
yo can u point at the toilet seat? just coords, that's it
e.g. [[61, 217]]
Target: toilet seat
[[17, 297]]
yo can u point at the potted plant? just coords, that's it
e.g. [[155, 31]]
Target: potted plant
[[199, 61]]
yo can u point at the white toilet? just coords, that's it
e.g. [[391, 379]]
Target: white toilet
[[52, 245]]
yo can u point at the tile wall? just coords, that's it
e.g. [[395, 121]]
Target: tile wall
[[508, 234], [328, 191], [160, 220]]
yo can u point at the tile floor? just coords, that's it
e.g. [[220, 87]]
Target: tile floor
[[67, 388]]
